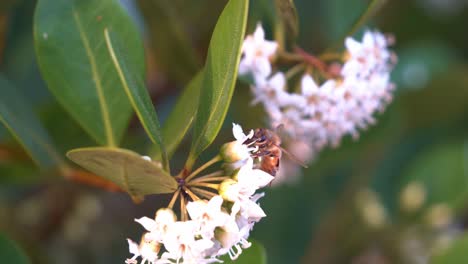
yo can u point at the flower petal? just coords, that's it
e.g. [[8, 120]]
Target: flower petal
[[148, 223]]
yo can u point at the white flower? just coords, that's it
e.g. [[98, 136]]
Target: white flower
[[209, 215], [148, 250], [253, 178], [181, 243], [241, 191], [317, 99], [323, 113], [237, 151], [232, 240], [217, 226], [257, 53], [158, 226], [272, 91], [233, 237], [367, 57]]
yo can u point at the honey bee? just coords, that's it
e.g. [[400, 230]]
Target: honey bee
[[269, 151]]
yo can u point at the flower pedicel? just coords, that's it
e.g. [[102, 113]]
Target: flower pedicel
[[218, 210]]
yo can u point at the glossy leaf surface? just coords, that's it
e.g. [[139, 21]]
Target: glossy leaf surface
[[75, 62], [220, 75], [135, 88]]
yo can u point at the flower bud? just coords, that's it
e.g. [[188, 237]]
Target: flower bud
[[228, 190], [234, 151], [165, 215]]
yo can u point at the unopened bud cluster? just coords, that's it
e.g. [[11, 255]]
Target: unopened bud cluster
[[216, 226]]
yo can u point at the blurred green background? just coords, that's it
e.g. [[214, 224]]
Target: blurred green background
[[399, 194]]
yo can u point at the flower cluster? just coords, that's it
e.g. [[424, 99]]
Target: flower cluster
[[332, 100], [211, 227]]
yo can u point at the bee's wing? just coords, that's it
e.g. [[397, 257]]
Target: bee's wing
[[293, 158]]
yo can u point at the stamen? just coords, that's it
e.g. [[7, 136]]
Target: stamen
[[244, 243]]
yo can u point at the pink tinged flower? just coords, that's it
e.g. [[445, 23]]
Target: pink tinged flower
[[257, 53], [182, 243], [272, 93], [311, 93], [367, 57], [209, 215], [308, 86]]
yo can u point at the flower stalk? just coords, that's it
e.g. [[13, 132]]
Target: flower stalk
[[204, 209]]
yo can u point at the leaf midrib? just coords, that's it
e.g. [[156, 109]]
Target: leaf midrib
[[220, 94], [97, 81]]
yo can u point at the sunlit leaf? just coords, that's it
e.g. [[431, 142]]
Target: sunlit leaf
[[18, 117], [220, 74], [11, 252], [126, 169], [254, 254], [454, 254], [77, 66], [181, 117], [134, 85]]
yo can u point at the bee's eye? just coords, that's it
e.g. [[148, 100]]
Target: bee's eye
[[262, 138]]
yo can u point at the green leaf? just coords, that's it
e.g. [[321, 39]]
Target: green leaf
[[11, 252], [254, 254], [441, 169], [125, 168], [220, 74], [18, 117], [287, 24], [456, 253], [345, 17], [135, 88], [181, 117], [171, 44], [77, 66]]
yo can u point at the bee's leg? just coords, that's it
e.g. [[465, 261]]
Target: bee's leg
[[262, 153]]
